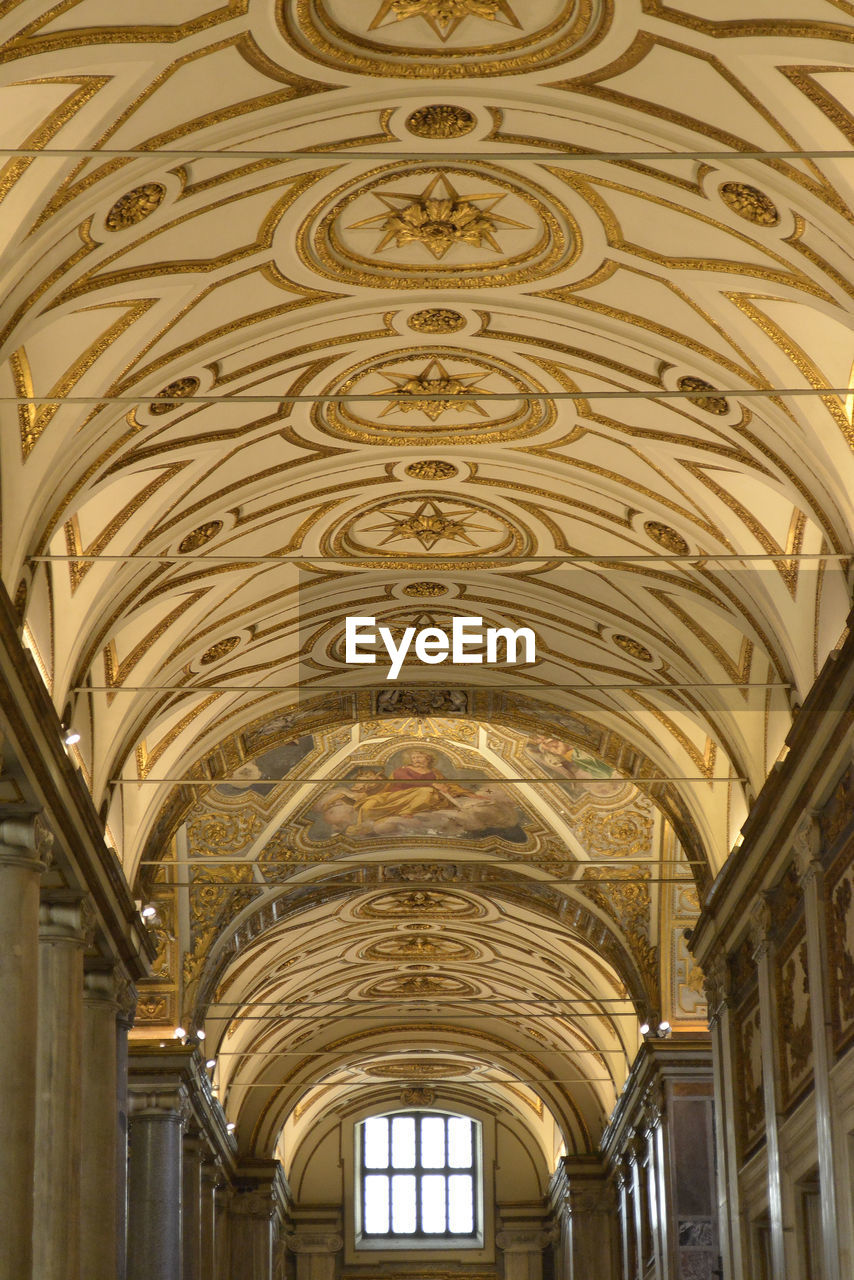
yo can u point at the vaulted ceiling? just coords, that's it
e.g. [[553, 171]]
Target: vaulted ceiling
[[429, 307]]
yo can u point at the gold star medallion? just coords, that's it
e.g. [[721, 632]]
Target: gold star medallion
[[434, 380], [444, 16], [428, 524], [439, 221]]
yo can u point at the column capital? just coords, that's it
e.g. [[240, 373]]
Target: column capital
[[254, 1204], [126, 998], [328, 1242], [717, 983], [807, 846], [99, 984], [26, 842], [66, 916], [152, 1103], [760, 926], [525, 1239]]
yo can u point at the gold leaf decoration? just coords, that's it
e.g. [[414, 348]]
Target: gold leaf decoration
[[441, 120], [431, 469], [436, 320], [424, 590], [173, 391], [707, 396], [750, 203], [134, 206], [633, 648], [199, 536], [219, 650], [667, 537]]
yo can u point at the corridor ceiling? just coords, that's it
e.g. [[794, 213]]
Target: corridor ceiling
[[415, 308]]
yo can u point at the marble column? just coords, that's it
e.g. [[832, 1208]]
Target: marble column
[[98, 1181], [761, 931], [252, 1231], [191, 1201], [126, 996], [315, 1253], [65, 928], [25, 845], [154, 1183], [807, 848]]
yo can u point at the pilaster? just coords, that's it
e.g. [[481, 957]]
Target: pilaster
[[25, 845]]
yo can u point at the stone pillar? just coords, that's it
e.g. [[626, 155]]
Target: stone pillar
[[638, 1202], [65, 928], [807, 847], [592, 1213], [191, 1204], [523, 1252], [768, 1031], [154, 1183], [718, 989], [98, 1180], [629, 1249], [222, 1233], [25, 845], [315, 1253], [126, 996], [207, 1220], [252, 1216], [659, 1206]]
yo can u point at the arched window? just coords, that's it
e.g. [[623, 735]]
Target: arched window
[[419, 1179]]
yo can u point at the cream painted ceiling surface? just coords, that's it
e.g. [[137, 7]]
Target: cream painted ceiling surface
[[429, 307]]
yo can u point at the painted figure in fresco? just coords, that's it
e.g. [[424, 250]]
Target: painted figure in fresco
[[415, 787], [561, 759], [415, 798]]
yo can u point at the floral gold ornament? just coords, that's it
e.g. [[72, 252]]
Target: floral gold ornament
[[633, 648], [418, 393], [438, 218], [199, 536], [431, 469], [750, 203], [706, 396], [425, 590], [667, 537], [441, 120], [175, 391], [219, 650], [444, 16], [436, 320], [134, 206]]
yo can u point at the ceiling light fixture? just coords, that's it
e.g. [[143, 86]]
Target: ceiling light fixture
[[71, 737]]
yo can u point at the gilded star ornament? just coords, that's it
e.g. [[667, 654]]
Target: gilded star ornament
[[434, 380], [444, 16], [429, 523], [439, 218]]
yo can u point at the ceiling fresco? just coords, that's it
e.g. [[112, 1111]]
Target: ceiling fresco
[[436, 308]]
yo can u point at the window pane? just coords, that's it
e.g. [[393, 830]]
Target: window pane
[[376, 1203], [461, 1203], [403, 1203], [459, 1143], [433, 1142], [433, 1202], [375, 1139], [403, 1142]]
